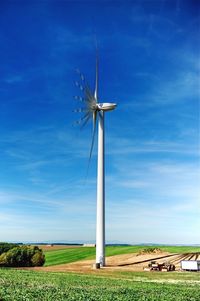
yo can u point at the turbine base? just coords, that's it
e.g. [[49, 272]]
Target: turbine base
[[96, 266]]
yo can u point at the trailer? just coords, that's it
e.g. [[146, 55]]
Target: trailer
[[190, 265]]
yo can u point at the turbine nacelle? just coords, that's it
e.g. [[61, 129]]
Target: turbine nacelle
[[106, 106]]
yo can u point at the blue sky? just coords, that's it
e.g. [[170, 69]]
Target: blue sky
[[149, 65]]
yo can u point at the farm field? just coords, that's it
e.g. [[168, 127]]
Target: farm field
[[19, 285], [64, 255], [79, 282]]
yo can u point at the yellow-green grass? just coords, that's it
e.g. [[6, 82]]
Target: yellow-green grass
[[69, 255]]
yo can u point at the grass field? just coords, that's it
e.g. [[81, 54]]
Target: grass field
[[68, 255], [98, 285], [17, 285]]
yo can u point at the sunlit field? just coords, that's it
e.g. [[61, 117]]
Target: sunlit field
[[18, 285], [67, 255], [104, 285]]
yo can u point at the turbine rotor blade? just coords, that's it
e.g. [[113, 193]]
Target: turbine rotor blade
[[96, 80], [93, 138], [94, 117], [89, 97], [79, 85], [80, 74], [80, 110], [79, 98], [86, 119], [87, 116], [89, 102]]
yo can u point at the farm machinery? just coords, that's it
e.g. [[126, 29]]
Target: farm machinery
[[162, 267]]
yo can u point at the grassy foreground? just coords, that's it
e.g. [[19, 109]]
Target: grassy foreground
[[19, 285], [68, 255]]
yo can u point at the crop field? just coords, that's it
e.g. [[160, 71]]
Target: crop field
[[19, 285], [98, 285], [68, 255]]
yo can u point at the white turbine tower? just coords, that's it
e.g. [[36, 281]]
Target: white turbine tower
[[93, 110]]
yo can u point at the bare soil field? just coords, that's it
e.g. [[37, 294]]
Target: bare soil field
[[126, 262], [56, 247]]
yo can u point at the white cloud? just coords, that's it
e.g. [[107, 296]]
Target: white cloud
[[39, 216], [182, 87], [134, 184], [119, 145], [137, 221]]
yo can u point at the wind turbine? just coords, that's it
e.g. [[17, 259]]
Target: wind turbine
[[93, 109]]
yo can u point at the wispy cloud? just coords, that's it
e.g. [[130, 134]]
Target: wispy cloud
[[161, 181], [125, 146], [24, 213], [180, 89]]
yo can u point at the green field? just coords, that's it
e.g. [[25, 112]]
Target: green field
[[18, 285], [68, 255], [98, 285]]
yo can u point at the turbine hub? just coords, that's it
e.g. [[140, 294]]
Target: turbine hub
[[106, 106]]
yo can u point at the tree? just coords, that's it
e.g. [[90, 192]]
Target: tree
[[22, 256]]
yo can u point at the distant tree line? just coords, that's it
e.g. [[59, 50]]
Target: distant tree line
[[14, 255]]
